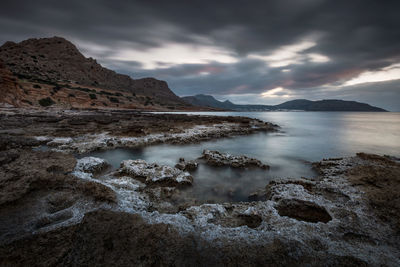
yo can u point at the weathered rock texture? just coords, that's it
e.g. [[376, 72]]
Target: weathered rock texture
[[347, 216], [217, 158], [154, 173], [89, 166], [81, 132], [328, 220], [184, 165], [91, 130], [10, 92]]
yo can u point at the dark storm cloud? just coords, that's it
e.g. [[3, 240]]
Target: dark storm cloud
[[356, 36]]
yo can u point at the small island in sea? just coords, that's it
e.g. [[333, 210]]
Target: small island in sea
[[100, 166]]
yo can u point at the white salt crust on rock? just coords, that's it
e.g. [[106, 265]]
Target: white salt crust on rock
[[87, 166], [91, 142], [154, 173]]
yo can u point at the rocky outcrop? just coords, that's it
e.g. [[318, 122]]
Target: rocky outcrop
[[217, 158], [88, 166], [155, 174], [327, 220], [184, 165], [57, 61], [348, 215], [10, 90], [64, 131], [129, 132]]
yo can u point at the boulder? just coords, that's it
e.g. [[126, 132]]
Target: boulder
[[186, 165], [153, 173], [217, 158], [91, 165]]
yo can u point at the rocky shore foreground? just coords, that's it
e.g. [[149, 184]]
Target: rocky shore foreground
[[57, 210]]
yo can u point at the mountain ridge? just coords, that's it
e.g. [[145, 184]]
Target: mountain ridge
[[57, 61], [297, 104]]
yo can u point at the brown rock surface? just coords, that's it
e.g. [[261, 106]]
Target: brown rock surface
[[106, 238], [347, 216], [380, 180], [10, 91]]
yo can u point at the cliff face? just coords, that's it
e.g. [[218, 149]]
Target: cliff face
[[57, 61], [11, 93]]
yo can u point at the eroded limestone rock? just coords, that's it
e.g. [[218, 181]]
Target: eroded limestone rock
[[91, 165], [186, 165], [217, 158], [153, 173]]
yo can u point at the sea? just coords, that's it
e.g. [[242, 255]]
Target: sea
[[304, 137]]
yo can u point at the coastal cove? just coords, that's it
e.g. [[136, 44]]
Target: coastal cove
[[67, 191], [200, 133], [305, 137]]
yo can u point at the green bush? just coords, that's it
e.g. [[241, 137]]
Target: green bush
[[113, 99], [45, 102], [93, 96], [37, 86], [71, 95], [105, 93]]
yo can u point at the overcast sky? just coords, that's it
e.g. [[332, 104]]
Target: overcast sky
[[262, 52]]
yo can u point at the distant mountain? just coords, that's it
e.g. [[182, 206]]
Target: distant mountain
[[58, 62], [208, 101], [298, 104]]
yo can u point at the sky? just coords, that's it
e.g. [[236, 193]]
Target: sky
[[256, 52]]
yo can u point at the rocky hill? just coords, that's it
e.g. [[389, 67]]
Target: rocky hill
[[327, 105], [298, 104], [208, 101], [58, 63]]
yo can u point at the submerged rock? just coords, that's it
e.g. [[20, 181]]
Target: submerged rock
[[217, 158], [153, 173], [186, 165]]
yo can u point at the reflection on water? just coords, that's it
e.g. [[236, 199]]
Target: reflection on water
[[215, 184], [315, 135], [306, 137]]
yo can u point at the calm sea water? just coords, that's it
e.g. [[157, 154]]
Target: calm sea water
[[305, 137]]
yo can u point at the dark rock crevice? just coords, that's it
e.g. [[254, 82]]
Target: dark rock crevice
[[303, 210]]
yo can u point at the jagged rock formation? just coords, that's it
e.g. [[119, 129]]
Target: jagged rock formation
[[217, 158], [153, 173], [348, 215], [58, 62], [184, 165], [88, 166]]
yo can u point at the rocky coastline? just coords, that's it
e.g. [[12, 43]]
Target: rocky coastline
[[59, 210]]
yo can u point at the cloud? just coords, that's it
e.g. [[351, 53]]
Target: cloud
[[290, 54], [391, 72], [171, 54], [276, 92]]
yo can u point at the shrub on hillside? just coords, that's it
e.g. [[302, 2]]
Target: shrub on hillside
[[45, 102], [113, 99]]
